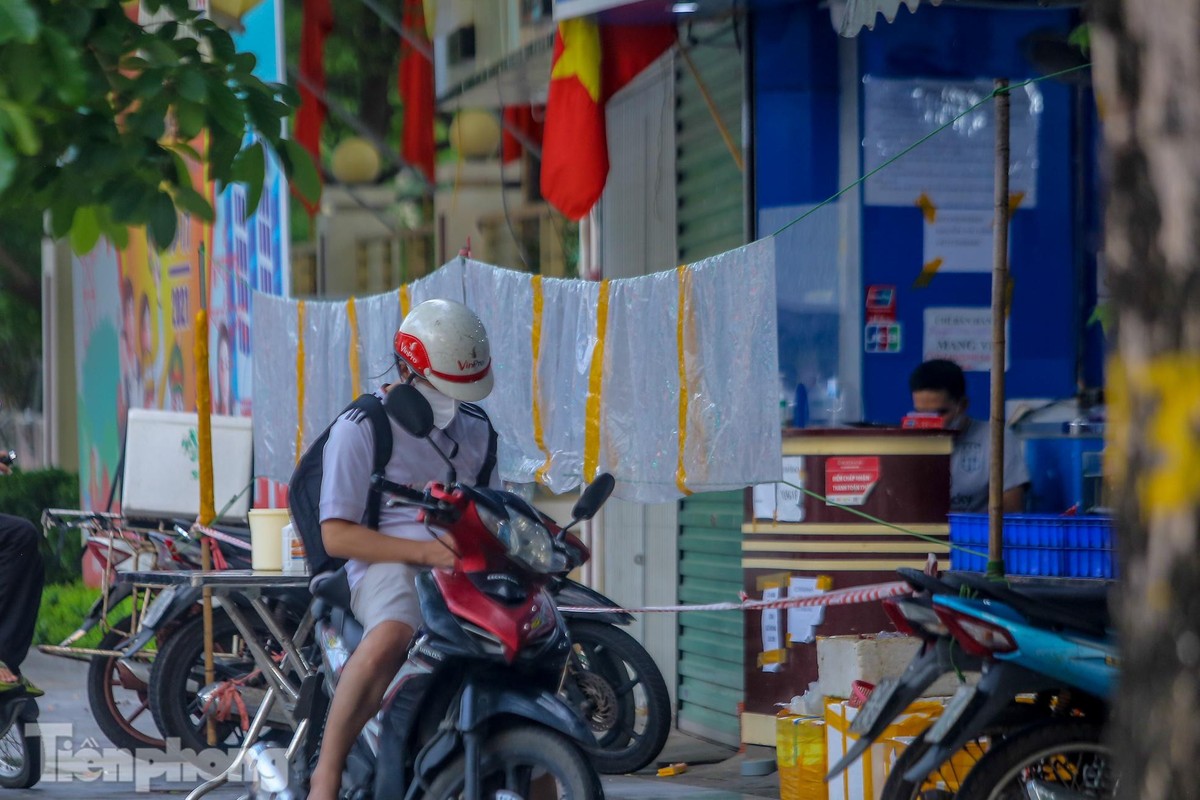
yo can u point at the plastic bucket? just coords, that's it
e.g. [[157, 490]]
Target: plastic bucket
[[266, 537]]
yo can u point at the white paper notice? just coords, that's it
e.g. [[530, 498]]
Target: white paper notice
[[764, 501], [962, 335], [779, 502], [801, 622], [772, 635], [789, 499], [954, 169], [960, 240]]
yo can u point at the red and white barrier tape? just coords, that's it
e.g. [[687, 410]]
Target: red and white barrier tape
[[838, 597], [221, 537]]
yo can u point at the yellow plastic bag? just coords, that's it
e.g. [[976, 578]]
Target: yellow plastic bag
[[800, 754]]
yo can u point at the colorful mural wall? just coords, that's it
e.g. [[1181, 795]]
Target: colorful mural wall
[[136, 307]]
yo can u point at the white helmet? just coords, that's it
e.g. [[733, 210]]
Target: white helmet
[[445, 343]]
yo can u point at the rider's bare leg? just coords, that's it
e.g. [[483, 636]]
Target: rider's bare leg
[[365, 678]]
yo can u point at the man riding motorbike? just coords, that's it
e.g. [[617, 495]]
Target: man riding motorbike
[[442, 349]]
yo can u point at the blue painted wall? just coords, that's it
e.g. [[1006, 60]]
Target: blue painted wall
[[796, 146]]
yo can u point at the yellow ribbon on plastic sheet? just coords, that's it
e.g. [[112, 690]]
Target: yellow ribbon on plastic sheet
[[299, 380], [539, 434], [405, 301], [591, 448], [684, 288], [355, 346]]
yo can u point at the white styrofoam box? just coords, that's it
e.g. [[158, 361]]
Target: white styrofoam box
[[842, 660], [162, 465]]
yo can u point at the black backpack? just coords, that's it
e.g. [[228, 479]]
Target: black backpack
[[304, 488]]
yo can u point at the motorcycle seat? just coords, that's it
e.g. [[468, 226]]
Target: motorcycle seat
[[1082, 609], [331, 600]]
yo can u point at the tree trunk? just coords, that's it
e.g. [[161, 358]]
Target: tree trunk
[[1147, 72]]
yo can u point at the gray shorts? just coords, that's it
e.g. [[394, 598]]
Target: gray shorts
[[387, 592]]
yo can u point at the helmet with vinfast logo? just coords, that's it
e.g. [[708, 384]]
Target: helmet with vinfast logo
[[445, 343]]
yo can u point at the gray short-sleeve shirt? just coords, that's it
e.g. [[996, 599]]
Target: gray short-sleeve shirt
[[348, 456], [969, 466]]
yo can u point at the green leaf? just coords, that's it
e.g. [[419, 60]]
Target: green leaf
[[191, 86], [8, 163], [193, 203], [159, 52], [162, 221], [221, 151], [85, 230], [302, 170], [224, 109], [245, 62], [18, 21], [16, 122], [62, 215], [287, 94], [126, 200], [119, 234], [189, 117], [184, 149], [221, 43], [250, 167]]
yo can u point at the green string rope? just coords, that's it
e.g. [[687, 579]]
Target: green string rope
[[927, 137], [922, 536]]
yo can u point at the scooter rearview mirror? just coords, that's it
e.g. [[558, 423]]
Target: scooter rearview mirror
[[593, 497]]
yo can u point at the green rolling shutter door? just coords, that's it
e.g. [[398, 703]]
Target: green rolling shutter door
[[710, 215]]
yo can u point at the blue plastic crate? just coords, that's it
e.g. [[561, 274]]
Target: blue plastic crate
[[1038, 544]]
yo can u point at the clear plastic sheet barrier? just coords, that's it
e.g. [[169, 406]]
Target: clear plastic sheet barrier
[[689, 367]]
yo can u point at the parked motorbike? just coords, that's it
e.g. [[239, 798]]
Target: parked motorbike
[[938, 764], [611, 678], [1065, 653], [475, 711]]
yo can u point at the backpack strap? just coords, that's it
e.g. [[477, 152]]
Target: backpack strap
[[484, 477], [372, 407]]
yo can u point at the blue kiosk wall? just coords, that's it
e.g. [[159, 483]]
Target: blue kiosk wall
[[796, 152]]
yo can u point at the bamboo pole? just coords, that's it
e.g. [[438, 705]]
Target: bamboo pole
[[207, 505], [715, 112], [999, 313]]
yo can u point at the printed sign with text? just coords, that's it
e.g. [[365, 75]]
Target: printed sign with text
[[850, 479]]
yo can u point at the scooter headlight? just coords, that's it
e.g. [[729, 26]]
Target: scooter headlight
[[526, 540]]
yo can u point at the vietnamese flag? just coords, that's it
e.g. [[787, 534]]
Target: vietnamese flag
[[318, 22], [417, 147], [590, 64]]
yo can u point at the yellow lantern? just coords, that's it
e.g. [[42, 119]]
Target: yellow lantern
[[475, 133], [355, 160]]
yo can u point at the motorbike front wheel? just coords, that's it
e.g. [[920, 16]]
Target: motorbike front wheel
[[1066, 758], [620, 694], [525, 761], [21, 755]]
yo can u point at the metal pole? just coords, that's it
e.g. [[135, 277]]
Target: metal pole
[[999, 312]]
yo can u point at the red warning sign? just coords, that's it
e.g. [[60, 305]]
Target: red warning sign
[[850, 479]]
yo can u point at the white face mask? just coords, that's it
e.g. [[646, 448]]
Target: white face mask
[[444, 408]]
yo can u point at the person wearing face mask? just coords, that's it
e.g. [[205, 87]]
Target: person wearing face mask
[[441, 349], [939, 387]]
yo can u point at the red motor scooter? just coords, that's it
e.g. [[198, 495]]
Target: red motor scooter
[[476, 709]]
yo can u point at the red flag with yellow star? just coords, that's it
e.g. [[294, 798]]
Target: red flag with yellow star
[[590, 65]]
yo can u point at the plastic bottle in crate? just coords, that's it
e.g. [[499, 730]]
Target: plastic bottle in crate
[[800, 753]]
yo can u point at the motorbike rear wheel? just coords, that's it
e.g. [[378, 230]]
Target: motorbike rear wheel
[[119, 699], [21, 755], [941, 784], [517, 761], [621, 695], [1069, 756]]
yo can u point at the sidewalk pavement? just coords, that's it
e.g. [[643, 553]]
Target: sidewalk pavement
[[80, 764]]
